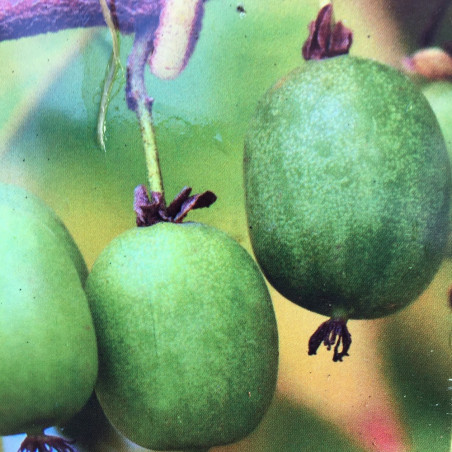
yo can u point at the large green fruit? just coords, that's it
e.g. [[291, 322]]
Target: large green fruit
[[48, 351], [188, 346], [347, 184]]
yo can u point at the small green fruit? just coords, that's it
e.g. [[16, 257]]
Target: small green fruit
[[188, 346], [347, 183], [48, 351]]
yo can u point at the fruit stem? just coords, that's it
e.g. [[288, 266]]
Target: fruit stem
[[138, 101], [332, 332]]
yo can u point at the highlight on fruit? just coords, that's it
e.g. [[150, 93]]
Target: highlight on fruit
[[347, 186]]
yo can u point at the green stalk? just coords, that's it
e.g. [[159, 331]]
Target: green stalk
[[150, 148], [139, 101]]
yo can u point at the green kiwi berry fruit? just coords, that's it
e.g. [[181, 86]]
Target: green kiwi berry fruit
[[188, 345], [48, 350], [347, 182]]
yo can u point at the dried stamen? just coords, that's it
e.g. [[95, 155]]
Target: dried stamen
[[150, 211], [332, 332], [326, 39], [45, 443]]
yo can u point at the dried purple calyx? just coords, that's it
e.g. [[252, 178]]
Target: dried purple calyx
[[45, 443], [332, 332], [326, 39], [151, 210]]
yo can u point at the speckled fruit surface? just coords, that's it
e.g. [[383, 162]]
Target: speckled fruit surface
[[188, 344], [47, 343], [347, 183]]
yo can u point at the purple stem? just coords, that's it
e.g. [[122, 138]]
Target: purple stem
[[20, 18]]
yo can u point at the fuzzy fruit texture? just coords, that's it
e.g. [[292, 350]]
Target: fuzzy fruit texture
[[188, 344], [48, 350], [347, 182]]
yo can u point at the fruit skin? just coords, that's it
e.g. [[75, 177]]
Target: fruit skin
[[188, 344], [48, 347], [347, 183], [439, 95], [23, 202]]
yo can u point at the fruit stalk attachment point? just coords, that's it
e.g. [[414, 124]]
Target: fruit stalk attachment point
[[332, 332], [326, 39], [152, 209]]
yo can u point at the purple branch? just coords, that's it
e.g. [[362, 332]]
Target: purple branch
[[171, 26], [20, 18]]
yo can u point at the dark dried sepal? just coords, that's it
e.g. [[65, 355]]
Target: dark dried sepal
[[183, 203], [326, 39], [332, 332], [154, 210], [45, 443], [148, 212]]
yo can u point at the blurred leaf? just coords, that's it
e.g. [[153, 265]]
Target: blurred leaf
[[415, 16], [416, 345], [28, 73], [288, 427]]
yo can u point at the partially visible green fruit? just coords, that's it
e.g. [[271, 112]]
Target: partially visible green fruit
[[439, 94], [347, 183], [188, 345], [24, 203], [93, 432], [48, 351]]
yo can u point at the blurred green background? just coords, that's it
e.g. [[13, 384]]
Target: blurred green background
[[391, 394]]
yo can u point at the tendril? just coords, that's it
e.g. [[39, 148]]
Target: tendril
[[113, 65]]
